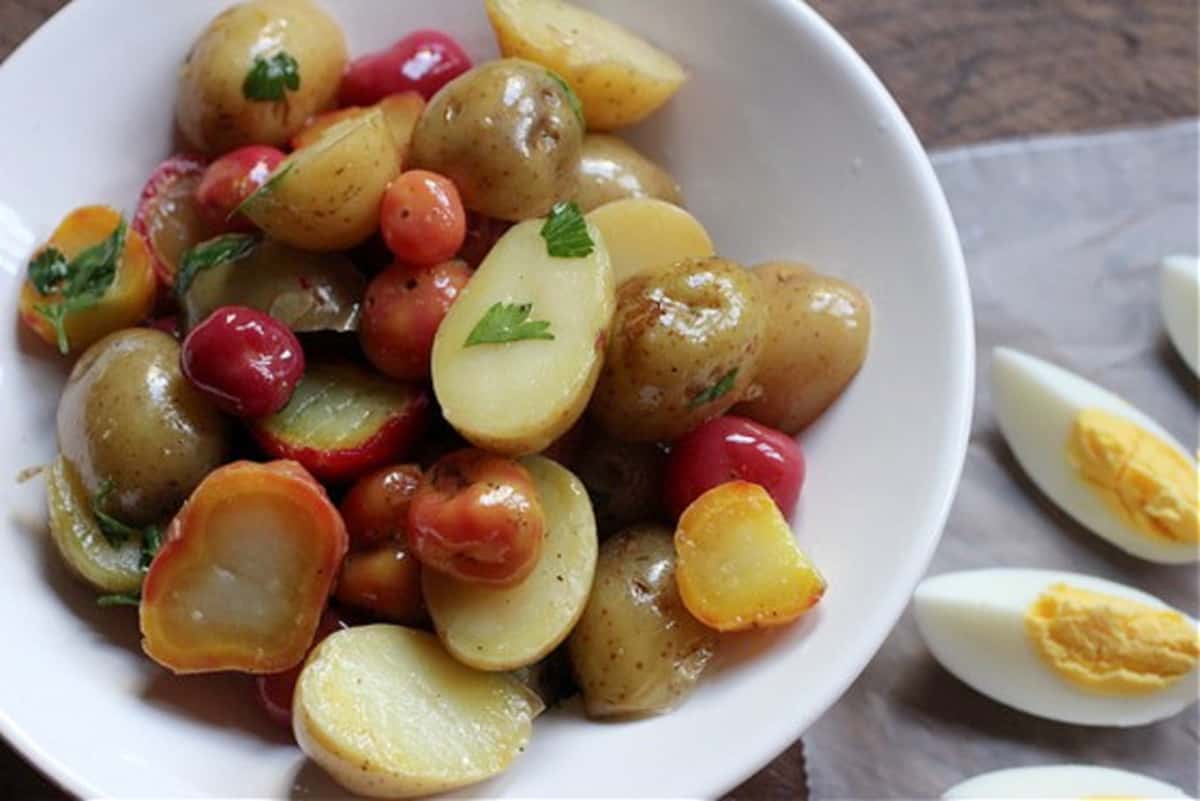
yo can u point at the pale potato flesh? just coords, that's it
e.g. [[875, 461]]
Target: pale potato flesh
[[389, 714], [504, 628], [326, 196], [620, 78], [515, 398], [643, 234]]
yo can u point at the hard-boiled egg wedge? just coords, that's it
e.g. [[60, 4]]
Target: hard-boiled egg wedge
[[1107, 464], [1061, 646], [1179, 285], [1063, 781]]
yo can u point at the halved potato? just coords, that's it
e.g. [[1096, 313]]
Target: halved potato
[[504, 628], [517, 397], [326, 196], [642, 234], [621, 78], [389, 714]]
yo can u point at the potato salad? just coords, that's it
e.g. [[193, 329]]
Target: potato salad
[[411, 390]]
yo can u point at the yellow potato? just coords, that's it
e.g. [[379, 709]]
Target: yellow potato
[[643, 234], [505, 628], [620, 78], [389, 714], [326, 196], [517, 397], [611, 169], [214, 112]]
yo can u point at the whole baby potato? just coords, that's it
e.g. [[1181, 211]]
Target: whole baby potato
[[128, 416], [221, 102], [611, 169], [685, 342], [818, 328], [506, 134], [636, 650]]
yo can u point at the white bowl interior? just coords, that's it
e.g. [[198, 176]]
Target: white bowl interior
[[786, 146]]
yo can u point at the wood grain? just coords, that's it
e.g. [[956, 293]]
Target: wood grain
[[964, 71]]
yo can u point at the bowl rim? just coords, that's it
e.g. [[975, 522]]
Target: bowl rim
[[775, 736]]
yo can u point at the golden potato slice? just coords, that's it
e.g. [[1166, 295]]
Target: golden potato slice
[[389, 714], [620, 78], [504, 628], [643, 233]]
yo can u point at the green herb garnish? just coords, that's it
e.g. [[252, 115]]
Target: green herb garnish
[[48, 270], [718, 389], [508, 322], [119, 599], [270, 78], [572, 98], [116, 532], [227, 247], [566, 232], [81, 282], [152, 540]]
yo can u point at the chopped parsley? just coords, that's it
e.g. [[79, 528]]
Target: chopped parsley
[[270, 78], [566, 232], [508, 322], [717, 390], [227, 247]]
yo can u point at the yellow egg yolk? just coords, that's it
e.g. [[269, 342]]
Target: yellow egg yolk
[[1145, 481], [1109, 644]]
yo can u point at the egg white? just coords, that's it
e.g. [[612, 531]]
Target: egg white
[[1179, 288], [973, 622], [1062, 781], [1036, 404]]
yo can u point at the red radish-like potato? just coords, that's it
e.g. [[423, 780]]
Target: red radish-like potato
[[168, 216], [231, 179], [275, 690], [375, 509], [244, 572], [423, 61], [422, 218], [384, 582], [344, 421]]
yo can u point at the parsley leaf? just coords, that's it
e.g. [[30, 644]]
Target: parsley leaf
[[572, 99], [218, 250], [507, 322], [56, 315], [718, 389], [113, 530], [270, 78], [48, 269], [152, 540], [267, 186], [119, 599], [566, 232]]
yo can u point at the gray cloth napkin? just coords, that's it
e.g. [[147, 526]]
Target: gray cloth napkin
[[1062, 239]]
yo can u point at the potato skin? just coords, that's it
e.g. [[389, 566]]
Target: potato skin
[[636, 650], [817, 334], [213, 113], [127, 414], [506, 135], [611, 169], [678, 333]]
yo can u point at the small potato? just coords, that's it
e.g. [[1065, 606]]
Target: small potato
[[643, 234], [516, 397], [326, 196], [623, 479], [685, 340], [493, 628], [610, 169], [621, 78], [506, 135], [217, 108], [128, 416], [636, 650], [816, 340], [389, 714]]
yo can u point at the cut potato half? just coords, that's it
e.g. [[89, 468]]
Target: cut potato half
[[643, 233], [389, 714], [494, 628]]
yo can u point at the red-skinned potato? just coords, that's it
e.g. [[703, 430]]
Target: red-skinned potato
[[478, 518], [375, 509], [231, 179], [168, 216], [402, 310], [244, 572], [422, 218], [385, 583], [423, 61], [276, 690], [344, 421]]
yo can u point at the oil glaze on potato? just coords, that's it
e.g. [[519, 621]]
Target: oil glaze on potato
[[621, 78], [517, 397], [506, 135], [128, 415], [643, 234], [493, 628], [213, 111], [684, 343], [389, 714], [611, 169], [816, 340], [326, 196], [636, 650]]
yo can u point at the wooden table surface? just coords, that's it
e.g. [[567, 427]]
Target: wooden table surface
[[964, 71]]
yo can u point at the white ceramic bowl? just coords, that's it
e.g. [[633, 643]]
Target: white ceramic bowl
[[787, 147]]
